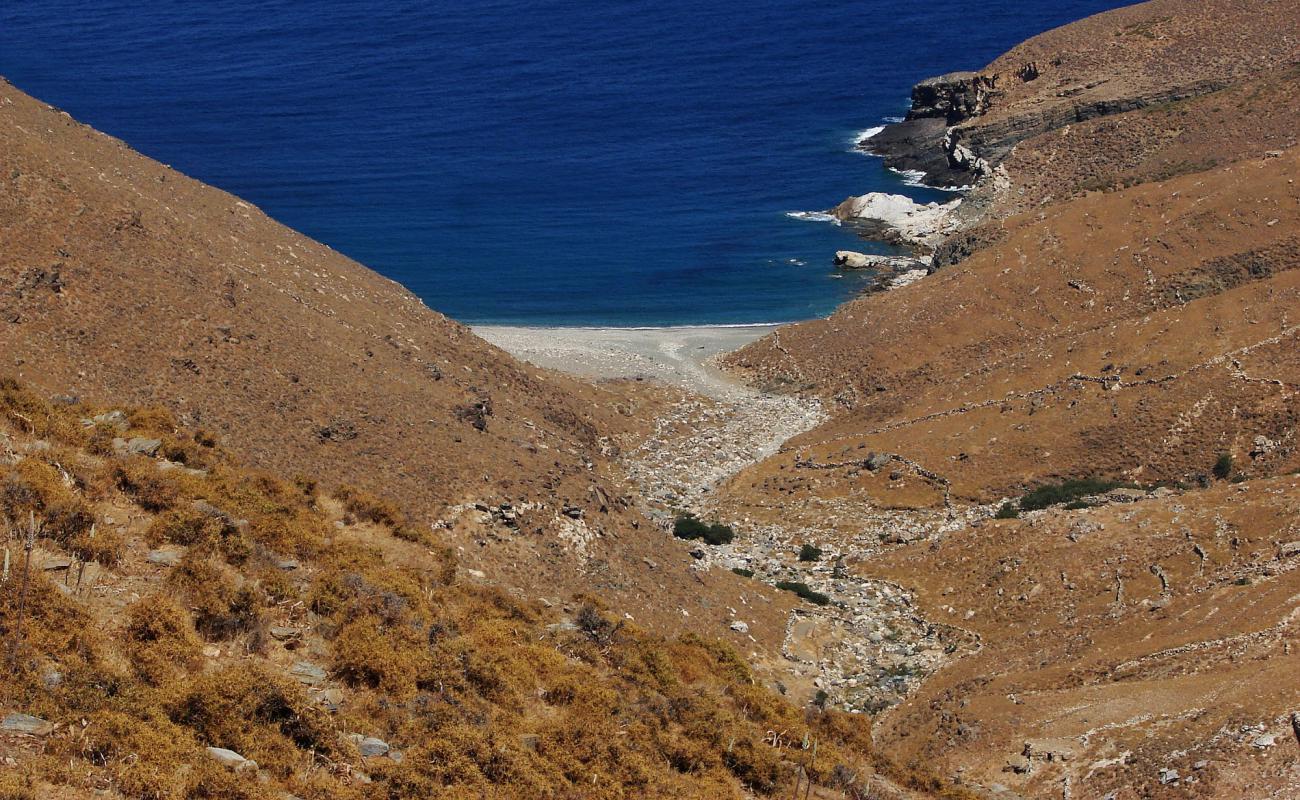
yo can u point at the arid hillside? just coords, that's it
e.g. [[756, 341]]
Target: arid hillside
[[1137, 649], [183, 627], [124, 282], [1106, 358], [1137, 334]]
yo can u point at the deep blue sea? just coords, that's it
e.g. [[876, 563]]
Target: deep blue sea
[[600, 163]]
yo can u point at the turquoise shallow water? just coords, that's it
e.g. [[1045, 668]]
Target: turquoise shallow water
[[613, 163]]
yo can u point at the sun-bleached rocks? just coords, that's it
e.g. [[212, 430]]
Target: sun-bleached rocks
[[896, 218]]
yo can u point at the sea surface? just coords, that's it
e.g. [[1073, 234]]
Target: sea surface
[[537, 163]]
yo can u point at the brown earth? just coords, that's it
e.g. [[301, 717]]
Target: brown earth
[[1116, 642], [1123, 305]]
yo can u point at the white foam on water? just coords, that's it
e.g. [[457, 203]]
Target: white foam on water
[[915, 177], [911, 177], [862, 136], [813, 216]]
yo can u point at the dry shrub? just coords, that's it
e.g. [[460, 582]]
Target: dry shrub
[[256, 713], [369, 507], [102, 545], [154, 491], [54, 628], [184, 527], [29, 413], [148, 757], [33, 486], [151, 419], [221, 607], [14, 786], [387, 657], [280, 516], [160, 640]]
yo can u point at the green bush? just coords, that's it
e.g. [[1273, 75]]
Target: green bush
[[689, 527], [803, 591], [742, 572], [810, 552], [1065, 492], [1008, 510], [1075, 505], [1223, 466]]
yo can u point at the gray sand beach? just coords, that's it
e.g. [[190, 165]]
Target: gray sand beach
[[677, 356]]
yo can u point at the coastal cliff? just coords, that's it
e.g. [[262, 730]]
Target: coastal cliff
[[963, 126]]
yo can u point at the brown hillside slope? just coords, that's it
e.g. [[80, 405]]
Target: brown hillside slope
[[165, 610], [1117, 642], [1135, 334], [122, 281], [1245, 120]]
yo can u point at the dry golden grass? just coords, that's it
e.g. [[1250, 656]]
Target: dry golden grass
[[482, 696]]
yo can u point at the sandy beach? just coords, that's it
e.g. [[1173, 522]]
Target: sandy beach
[[678, 356]]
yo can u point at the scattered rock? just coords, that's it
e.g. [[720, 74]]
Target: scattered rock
[[877, 461], [371, 747], [1168, 776], [232, 760], [338, 430], [25, 724], [740, 627], [1265, 741], [165, 558], [113, 419], [142, 446], [283, 633], [308, 673]]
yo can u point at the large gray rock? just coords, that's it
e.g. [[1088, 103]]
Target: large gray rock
[[25, 723], [143, 446], [136, 445]]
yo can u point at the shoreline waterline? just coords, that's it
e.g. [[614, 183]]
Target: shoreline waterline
[[680, 356]]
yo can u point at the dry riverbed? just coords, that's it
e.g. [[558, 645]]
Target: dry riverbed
[[865, 649]]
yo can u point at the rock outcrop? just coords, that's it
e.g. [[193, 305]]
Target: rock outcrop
[[899, 219]]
